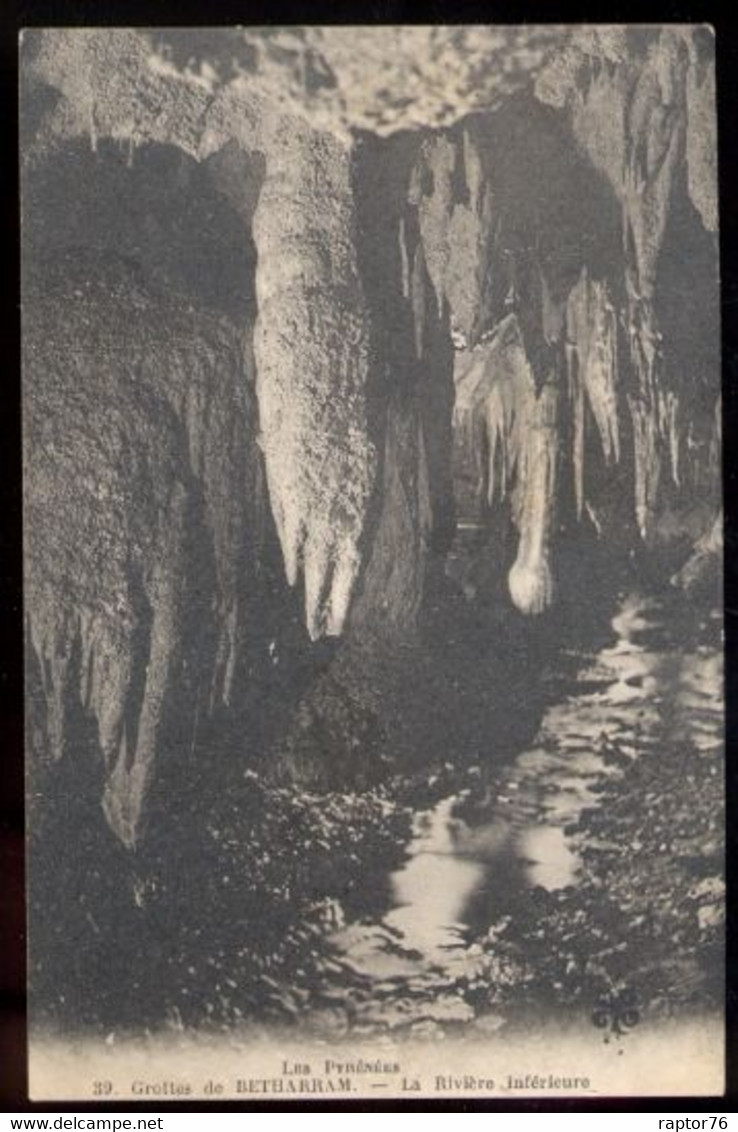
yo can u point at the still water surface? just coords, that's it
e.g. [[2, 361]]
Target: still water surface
[[511, 829]]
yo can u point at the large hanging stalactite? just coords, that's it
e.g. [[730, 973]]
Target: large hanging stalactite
[[312, 356], [410, 514]]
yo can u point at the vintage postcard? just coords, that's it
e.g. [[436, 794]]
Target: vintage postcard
[[373, 552]]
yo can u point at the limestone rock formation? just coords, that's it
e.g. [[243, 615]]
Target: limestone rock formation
[[137, 431], [640, 104], [312, 356], [262, 265], [603, 282], [514, 427]]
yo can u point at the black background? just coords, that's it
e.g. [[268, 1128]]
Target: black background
[[46, 13]]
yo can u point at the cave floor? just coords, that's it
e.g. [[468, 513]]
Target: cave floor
[[582, 878], [571, 871]]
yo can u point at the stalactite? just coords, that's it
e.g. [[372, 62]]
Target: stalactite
[[658, 424], [312, 355], [494, 397], [516, 426], [432, 192], [530, 579], [641, 108], [456, 217], [578, 418], [647, 462], [593, 372], [626, 106]]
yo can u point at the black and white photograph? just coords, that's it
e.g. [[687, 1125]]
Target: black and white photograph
[[373, 555]]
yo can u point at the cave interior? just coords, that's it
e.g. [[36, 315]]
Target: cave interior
[[341, 421]]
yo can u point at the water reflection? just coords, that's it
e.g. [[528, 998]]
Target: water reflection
[[432, 890], [656, 686]]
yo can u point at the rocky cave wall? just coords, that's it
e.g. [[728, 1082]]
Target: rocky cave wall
[[261, 324]]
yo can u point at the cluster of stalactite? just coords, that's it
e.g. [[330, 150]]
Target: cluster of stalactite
[[530, 292], [590, 304]]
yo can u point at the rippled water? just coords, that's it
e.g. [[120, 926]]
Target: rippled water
[[510, 829]]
